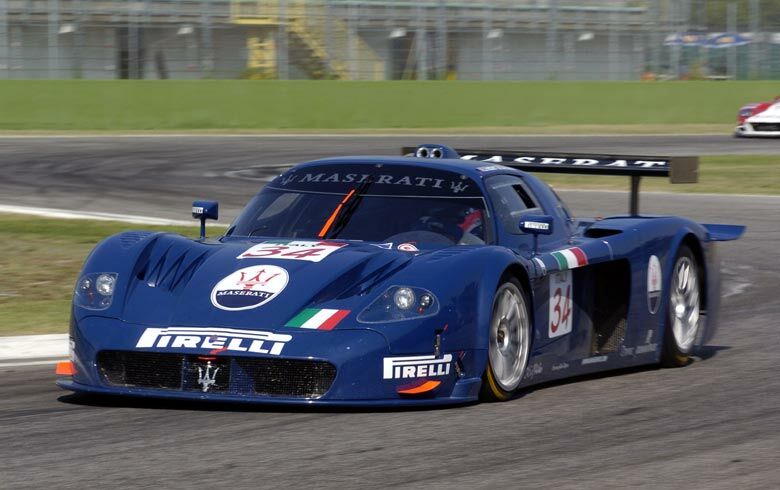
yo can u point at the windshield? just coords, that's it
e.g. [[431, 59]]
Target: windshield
[[368, 205]]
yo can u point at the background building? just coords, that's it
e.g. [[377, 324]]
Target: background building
[[380, 39]]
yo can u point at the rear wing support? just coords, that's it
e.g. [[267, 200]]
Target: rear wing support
[[679, 170], [634, 198]]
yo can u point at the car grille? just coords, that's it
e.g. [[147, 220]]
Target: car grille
[[766, 126], [230, 375]]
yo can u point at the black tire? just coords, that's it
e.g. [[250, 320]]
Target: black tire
[[492, 388], [676, 352]]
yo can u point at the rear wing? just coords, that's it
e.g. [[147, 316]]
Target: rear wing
[[679, 170]]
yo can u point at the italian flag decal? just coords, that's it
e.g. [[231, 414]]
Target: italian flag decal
[[318, 319], [571, 258]]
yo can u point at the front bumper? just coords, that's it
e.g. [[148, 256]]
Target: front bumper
[[339, 367], [758, 130]]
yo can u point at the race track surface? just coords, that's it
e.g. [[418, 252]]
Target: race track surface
[[714, 424], [160, 176]]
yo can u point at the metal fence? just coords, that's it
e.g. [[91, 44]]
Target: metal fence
[[380, 40]]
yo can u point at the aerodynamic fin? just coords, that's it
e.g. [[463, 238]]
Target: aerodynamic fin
[[679, 170]]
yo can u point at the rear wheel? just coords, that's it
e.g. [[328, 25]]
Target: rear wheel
[[684, 309], [509, 342]]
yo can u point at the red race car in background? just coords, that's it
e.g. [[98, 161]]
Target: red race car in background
[[759, 119]]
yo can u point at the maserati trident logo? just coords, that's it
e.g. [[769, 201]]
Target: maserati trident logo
[[207, 378], [249, 287]]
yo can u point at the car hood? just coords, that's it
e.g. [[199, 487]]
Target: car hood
[[771, 114], [178, 281]]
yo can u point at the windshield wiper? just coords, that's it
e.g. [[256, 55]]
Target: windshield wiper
[[344, 211]]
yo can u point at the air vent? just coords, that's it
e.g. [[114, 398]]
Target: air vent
[[273, 377], [447, 253], [169, 263], [601, 232], [130, 238]]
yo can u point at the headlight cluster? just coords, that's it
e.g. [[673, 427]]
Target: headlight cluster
[[400, 303], [95, 291]]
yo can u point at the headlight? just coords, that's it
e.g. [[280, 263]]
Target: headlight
[[95, 291], [104, 284], [404, 298], [400, 303]]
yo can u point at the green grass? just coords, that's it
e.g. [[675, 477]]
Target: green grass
[[121, 105], [42, 257], [742, 174], [40, 263]]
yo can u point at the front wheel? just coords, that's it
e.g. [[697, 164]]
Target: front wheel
[[684, 309], [509, 342]]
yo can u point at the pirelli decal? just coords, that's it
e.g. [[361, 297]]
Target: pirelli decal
[[214, 339]]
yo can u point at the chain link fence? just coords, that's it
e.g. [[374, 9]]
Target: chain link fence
[[381, 40]]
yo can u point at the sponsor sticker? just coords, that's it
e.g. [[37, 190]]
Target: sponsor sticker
[[570, 258], [536, 225], [560, 304], [568, 162], [403, 181], [594, 360], [310, 250], [490, 168], [213, 339], [318, 319], [560, 366], [653, 284], [649, 345], [416, 367], [249, 287], [408, 247], [644, 349], [533, 370]]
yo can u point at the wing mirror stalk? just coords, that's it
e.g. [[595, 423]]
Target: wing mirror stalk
[[204, 210], [538, 225]]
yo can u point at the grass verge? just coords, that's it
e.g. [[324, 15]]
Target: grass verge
[[42, 257], [106, 105], [40, 262], [733, 174], [553, 130]]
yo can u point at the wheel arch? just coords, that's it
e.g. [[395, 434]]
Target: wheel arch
[[689, 238], [493, 273], [693, 243]]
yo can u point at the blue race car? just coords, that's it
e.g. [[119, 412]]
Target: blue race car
[[442, 276]]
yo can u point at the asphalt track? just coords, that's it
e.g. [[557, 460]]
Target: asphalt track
[[714, 424]]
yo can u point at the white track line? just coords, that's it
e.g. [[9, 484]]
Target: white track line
[[68, 214], [31, 363], [662, 193], [344, 135], [29, 348]]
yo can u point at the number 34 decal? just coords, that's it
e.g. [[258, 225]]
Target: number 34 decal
[[560, 304], [292, 250]]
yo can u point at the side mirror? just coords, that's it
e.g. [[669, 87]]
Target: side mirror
[[537, 225], [204, 210]]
